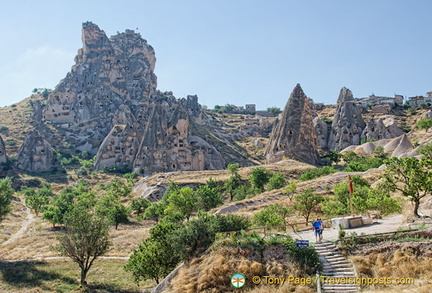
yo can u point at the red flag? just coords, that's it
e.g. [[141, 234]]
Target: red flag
[[351, 185]]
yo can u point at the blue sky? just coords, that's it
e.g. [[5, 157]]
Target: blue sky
[[236, 51]]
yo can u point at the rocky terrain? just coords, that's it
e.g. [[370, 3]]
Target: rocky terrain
[[107, 115]]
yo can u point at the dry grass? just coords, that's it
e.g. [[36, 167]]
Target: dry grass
[[290, 168], [12, 222], [40, 237], [212, 272], [401, 263], [63, 276], [16, 119]]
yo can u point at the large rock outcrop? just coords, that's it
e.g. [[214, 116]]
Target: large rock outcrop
[[35, 154], [377, 129], [107, 73], [348, 124], [3, 157], [294, 135], [108, 105]]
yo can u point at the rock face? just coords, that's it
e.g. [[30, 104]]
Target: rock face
[[36, 154], [107, 73], [108, 104], [3, 157], [378, 129], [322, 132], [348, 124], [294, 135]]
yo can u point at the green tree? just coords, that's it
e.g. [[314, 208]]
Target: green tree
[[274, 215], [198, 234], [425, 123], [119, 189], [379, 200], [209, 195], [259, 177], [60, 205], [340, 205], [233, 168], [335, 156], [138, 205], [155, 211], [276, 181], [413, 178], [307, 202], [148, 262], [291, 189], [84, 240], [113, 210], [182, 201], [37, 199], [426, 151], [6, 192]]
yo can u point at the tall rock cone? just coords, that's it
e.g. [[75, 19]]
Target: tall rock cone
[[348, 123], [294, 135]]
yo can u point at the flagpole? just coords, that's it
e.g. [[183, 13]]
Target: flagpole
[[351, 189]]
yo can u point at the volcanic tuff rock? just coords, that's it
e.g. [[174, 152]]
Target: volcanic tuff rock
[[108, 104], [322, 132], [3, 157], [348, 124], [294, 135], [378, 129], [35, 154]]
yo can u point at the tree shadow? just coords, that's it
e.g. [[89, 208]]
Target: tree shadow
[[26, 274], [107, 288]]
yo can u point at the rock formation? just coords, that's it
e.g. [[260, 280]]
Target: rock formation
[[108, 73], [37, 111], [294, 135], [378, 129], [348, 124], [35, 154], [322, 132], [108, 105], [3, 157]]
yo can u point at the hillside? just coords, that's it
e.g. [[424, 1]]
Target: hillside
[[184, 184]]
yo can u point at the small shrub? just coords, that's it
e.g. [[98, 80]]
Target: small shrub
[[315, 173]]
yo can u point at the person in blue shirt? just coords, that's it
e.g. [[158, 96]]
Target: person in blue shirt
[[318, 229]]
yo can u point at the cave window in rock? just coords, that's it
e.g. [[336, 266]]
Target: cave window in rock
[[174, 166], [131, 151]]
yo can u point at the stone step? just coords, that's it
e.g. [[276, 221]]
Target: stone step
[[338, 262], [335, 257], [336, 270], [336, 266]]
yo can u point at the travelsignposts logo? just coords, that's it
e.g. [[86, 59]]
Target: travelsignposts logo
[[238, 280]]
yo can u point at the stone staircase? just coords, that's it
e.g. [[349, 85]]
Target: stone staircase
[[336, 266]]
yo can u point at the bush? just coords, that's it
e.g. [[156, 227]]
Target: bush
[[259, 177], [364, 163], [276, 181], [318, 172], [340, 205], [244, 191], [3, 128], [424, 123]]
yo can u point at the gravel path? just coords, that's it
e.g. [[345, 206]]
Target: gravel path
[[386, 224], [29, 219]]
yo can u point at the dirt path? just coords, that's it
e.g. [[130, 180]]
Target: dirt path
[[386, 224], [28, 220], [58, 258]]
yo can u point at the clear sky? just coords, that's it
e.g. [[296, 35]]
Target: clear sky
[[232, 51]]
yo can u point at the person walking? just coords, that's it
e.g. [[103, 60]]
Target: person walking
[[318, 229]]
